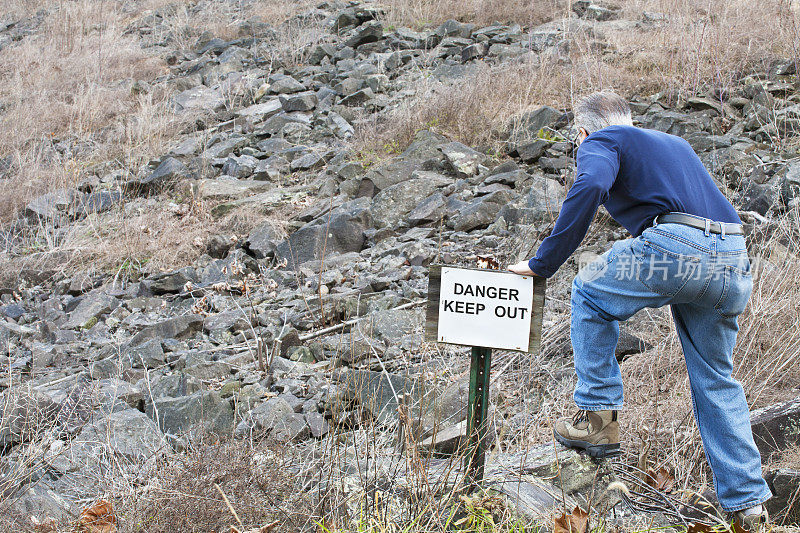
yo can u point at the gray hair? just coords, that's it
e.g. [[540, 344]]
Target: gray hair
[[602, 109]]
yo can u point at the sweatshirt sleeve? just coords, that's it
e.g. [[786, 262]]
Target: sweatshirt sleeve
[[598, 165]]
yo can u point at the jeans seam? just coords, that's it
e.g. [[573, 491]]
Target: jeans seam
[[587, 407], [683, 240], [746, 505]]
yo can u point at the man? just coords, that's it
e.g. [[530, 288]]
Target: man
[[688, 252]]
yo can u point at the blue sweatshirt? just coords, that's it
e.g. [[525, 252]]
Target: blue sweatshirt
[[637, 174]]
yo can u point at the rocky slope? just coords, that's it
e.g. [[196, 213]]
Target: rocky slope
[[107, 374]]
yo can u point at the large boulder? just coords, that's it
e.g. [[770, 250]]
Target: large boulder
[[263, 241], [776, 427], [391, 205], [541, 203], [203, 411], [376, 392], [90, 309], [340, 232], [179, 327]]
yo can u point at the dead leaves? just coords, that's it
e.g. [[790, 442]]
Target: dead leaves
[[662, 480], [575, 522], [99, 518]]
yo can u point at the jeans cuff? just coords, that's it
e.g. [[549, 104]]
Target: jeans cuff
[[586, 407], [747, 505]]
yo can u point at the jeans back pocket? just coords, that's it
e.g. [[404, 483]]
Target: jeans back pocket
[[736, 289]]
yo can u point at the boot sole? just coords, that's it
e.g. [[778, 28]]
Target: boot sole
[[598, 451]]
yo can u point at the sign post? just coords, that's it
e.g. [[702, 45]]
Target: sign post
[[483, 309]]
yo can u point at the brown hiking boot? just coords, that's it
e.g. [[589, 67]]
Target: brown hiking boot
[[596, 432], [753, 523]]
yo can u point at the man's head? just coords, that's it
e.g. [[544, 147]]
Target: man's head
[[599, 110]]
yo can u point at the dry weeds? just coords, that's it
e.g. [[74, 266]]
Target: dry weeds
[[425, 13]]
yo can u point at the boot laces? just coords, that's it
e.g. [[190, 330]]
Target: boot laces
[[580, 416]]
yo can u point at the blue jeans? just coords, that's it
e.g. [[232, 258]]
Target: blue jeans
[[706, 280]]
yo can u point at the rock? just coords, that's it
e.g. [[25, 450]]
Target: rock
[[172, 282], [99, 202], [317, 425], [776, 428], [757, 197], [463, 159], [149, 354], [90, 309], [227, 187], [431, 209], [200, 98], [448, 441], [209, 370], [530, 152], [12, 311], [358, 98], [260, 112], [305, 101], [174, 328], [168, 170], [392, 325], [26, 413], [368, 32], [374, 391], [127, 435], [262, 241], [480, 212], [789, 179], [526, 126], [391, 205], [474, 51], [170, 386], [282, 84], [54, 205], [542, 203], [783, 507], [265, 417], [205, 411], [343, 232]]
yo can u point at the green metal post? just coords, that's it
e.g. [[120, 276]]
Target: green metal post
[[476, 414]]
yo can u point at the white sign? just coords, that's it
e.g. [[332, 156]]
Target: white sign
[[485, 308]]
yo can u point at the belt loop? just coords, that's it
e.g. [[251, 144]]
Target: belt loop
[[708, 227], [722, 230]]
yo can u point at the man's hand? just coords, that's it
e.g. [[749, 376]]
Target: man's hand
[[522, 269]]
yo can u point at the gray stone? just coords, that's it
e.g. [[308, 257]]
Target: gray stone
[[526, 126], [172, 282], [368, 32], [264, 417], [776, 428], [169, 169], [480, 212], [391, 205], [530, 152], [392, 325], [169, 386], [542, 203], [90, 309], [262, 241], [51, 206], [431, 209], [463, 159], [259, 112], [305, 101], [200, 98], [343, 232], [358, 98], [173, 328], [26, 413], [474, 51], [317, 424], [149, 354], [758, 197], [376, 392], [783, 507], [127, 435], [209, 370], [282, 84], [205, 411]]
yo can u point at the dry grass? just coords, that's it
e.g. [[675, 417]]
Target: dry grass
[[699, 47], [181, 495], [423, 13]]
